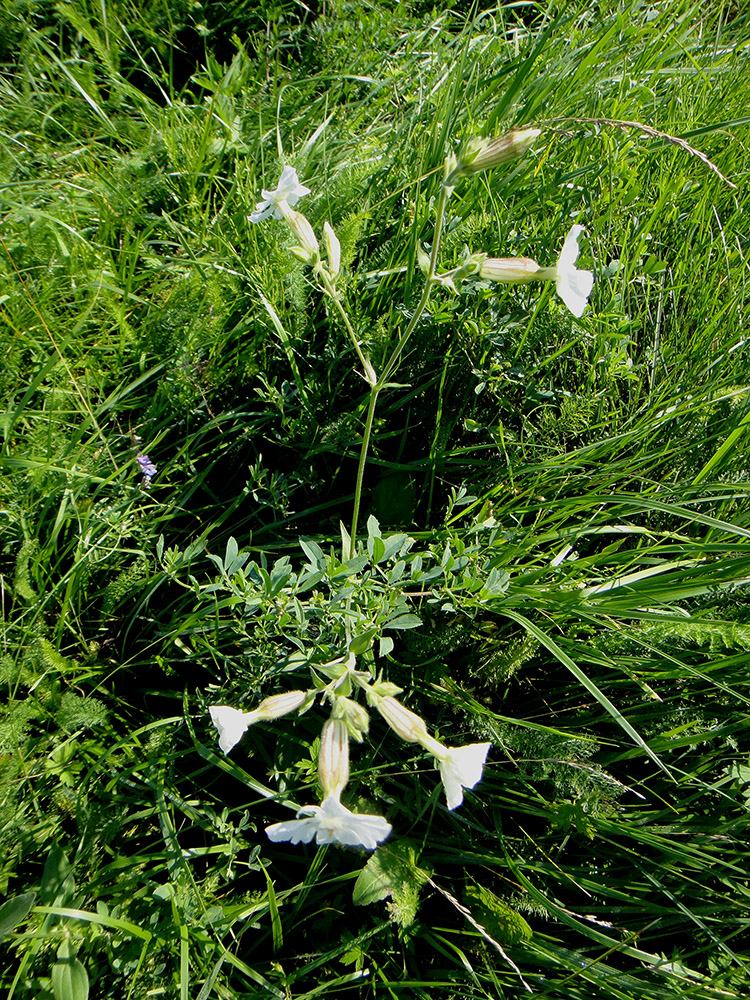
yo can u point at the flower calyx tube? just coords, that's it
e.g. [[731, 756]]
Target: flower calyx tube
[[333, 758], [484, 154]]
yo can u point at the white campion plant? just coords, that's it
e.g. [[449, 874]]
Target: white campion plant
[[460, 767]]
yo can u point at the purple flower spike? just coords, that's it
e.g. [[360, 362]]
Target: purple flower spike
[[147, 468]]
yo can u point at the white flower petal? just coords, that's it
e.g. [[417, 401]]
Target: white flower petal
[[231, 724], [289, 188], [297, 831], [288, 192], [330, 823], [573, 286], [461, 767], [569, 253], [262, 212]]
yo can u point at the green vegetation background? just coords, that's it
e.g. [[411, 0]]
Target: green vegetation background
[[140, 312]]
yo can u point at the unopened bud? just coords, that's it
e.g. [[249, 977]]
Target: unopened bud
[[483, 154], [308, 250], [333, 759], [355, 717], [333, 249]]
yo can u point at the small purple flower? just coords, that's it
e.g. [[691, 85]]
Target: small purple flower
[[147, 468]]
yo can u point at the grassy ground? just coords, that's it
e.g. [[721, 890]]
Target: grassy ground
[[598, 466]]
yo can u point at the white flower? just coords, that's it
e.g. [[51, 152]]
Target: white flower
[[288, 192], [573, 286], [461, 767], [332, 823], [231, 724]]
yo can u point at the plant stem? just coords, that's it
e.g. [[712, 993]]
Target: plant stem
[[370, 375], [445, 192], [377, 386], [369, 420]]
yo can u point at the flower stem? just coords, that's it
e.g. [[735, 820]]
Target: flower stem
[[330, 290], [445, 192], [369, 420], [380, 383]]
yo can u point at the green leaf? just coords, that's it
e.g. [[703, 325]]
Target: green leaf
[[404, 621], [13, 911], [378, 549], [395, 543], [361, 643], [58, 885], [393, 872], [70, 980], [313, 552], [385, 646], [498, 919], [273, 909]]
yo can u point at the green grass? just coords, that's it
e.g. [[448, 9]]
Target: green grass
[[604, 461]]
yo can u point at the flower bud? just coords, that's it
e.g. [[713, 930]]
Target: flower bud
[[308, 250], [355, 717], [381, 689], [333, 758], [333, 249], [483, 154], [279, 704]]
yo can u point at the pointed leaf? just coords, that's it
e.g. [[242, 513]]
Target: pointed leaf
[[57, 879], [13, 911], [404, 621]]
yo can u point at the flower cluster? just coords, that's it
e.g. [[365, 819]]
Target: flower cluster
[[331, 821], [572, 284], [277, 204], [147, 467]]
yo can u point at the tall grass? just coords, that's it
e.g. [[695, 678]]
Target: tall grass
[[601, 464]]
